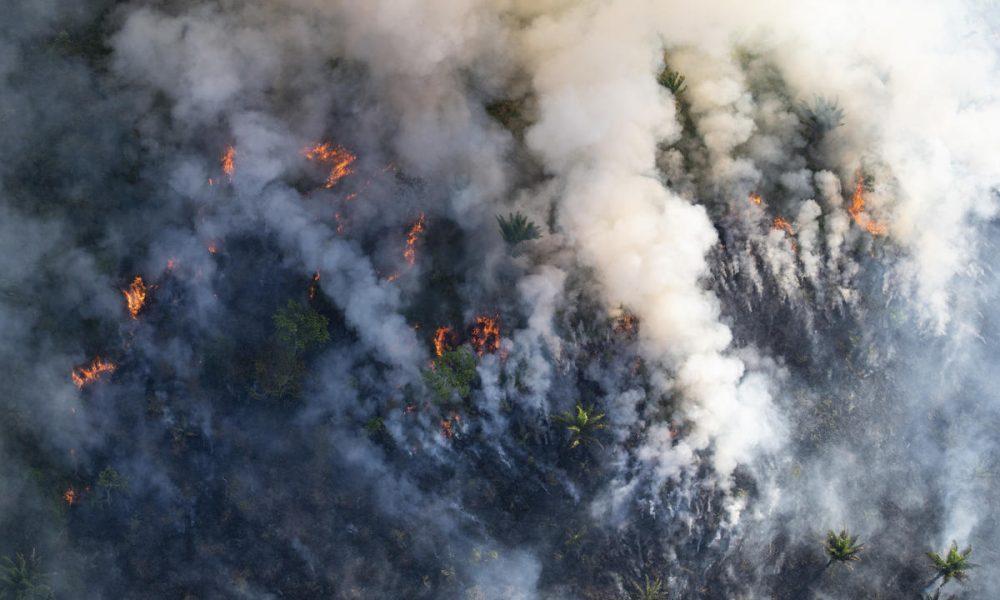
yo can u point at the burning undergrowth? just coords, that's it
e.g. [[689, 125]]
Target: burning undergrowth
[[490, 300]]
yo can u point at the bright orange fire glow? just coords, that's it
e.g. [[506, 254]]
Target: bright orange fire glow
[[410, 253], [86, 375], [447, 425], [755, 198], [443, 340], [337, 157], [857, 210], [135, 296], [228, 161], [70, 496], [486, 335], [213, 248], [782, 224]]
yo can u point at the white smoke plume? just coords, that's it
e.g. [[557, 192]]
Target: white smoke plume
[[587, 299]]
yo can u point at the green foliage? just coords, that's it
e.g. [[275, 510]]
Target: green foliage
[[452, 373], [953, 565], [516, 228], [23, 579], [842, 547], [374, 425], [672, 80], [299, 327], [278, 370], [112, 481], [582, 425], [649, 589]]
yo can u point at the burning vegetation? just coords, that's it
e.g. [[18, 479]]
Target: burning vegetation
[[135, 296], [857, 210], [83, 376], [228, 162], [485, 336], [412, 236], [444, 339], [337, 158]]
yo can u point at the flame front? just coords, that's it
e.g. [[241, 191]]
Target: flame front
[[135, 296], [228, 162], [86, 375], [337, 157], [782, 224], [410, 253], [69, 496], [442, 340], [486, 335], [755, 198], [857, 211]]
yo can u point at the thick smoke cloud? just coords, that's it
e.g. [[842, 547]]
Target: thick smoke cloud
[[751, 298]]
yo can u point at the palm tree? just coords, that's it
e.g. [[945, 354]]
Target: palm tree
[[842, 547], [649, 589], [516, 228], [820, 117], [23, 579], [673, 81], [582, 425], [954, 564]]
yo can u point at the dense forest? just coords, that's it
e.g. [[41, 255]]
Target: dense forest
[[498, 299]]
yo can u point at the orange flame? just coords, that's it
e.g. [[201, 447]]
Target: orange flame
[[213, 248], [447, 425], [443, 340], [857, 211], [70, 496], [410, 253], [338, 157], [486, 335], [755, 198], [135, 296], [86, 375], [228, 161], [782, 224]]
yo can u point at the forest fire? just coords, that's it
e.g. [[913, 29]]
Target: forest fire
[[783, 225], [626, 324], [85, 375], [410, 253], [857, 211], [443, 340], [135, 296], [337, 157], [70, 496], [228, 161], [755, 198], [448, 425], [486, 335]]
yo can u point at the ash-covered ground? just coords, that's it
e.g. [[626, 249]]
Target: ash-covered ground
[[499, 299]]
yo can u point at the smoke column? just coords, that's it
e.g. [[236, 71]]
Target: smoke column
[[498, 298]]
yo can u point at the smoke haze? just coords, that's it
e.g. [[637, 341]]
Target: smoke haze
[[497, 298]]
